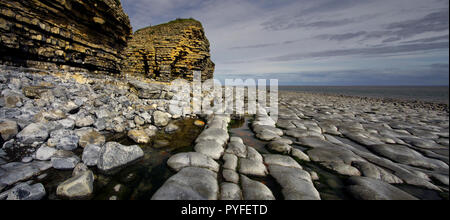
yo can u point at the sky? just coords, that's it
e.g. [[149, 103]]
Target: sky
[[320, 42]]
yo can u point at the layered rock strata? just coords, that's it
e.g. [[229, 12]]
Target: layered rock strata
[[64, 34], [169, 51]]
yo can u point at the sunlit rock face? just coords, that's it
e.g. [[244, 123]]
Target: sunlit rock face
[[170, 51], [64, 34]]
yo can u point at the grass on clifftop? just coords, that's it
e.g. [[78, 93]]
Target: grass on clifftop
[[172, 23]]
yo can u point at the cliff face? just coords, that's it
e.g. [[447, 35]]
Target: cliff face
[[68, 34], [169, 51]]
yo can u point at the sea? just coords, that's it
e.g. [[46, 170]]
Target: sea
[[435, 94]]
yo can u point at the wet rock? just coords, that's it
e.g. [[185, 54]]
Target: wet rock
[[79, 168], [315, 142], [314, 175], [80, 186], [92, 137], [35, 132], [375, 172], [190, 183], [443, 179], [296, 183], [230, 191], [422, 143], [230, 176], [298, 154], [274, 159], [285, 124], [34, 92], [63, 140], [25, 191], [85, 121], [236, 139], [11, 100], [139, 136], [64, 160], [15, 172], [406, 155], [279, 147], [254, 190], [251, 167], [171, 128], [262, 128], [114, 155], [91, 154], [45, 153], [160, 143], [160, 118], [365, 188], [237, 148], [231, 161], [213, 134], [252, 154], [341, 168], [8, 129], [192, 159], [139, 120], [211, 149], [267, 135]]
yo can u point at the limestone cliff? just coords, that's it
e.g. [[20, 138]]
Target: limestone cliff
[[68, 34], [169, 51]]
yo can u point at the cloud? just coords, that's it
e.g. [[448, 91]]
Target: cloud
[[341, 37], [369, 51], [320, 38], [429, 39], [301, 23]]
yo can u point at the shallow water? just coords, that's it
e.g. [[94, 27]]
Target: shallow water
[[140, 180], [330, 185]]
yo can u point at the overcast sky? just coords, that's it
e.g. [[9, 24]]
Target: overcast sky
[[320, 42]]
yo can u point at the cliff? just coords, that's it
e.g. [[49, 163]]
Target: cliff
[[169, 51], [68, 34]]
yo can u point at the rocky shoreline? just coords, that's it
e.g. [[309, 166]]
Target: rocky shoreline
[[321, 146]]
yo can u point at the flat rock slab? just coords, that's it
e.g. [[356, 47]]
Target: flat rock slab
[[80, 186], [24, 191], [213, 134], [237, 148], [365, 188], [279, 146], [191, 183], [16, 171], [408, 156], [35, 132], [114, 155], [211, 149], [267, 135], [296, 183], [254, 190], [252, 167], [275, 159], [91, 155], [230, 191], [261, 128], [192, 159], [231, 161]]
